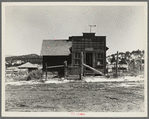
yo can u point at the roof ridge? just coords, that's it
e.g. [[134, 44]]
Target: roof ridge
[[55, 40]]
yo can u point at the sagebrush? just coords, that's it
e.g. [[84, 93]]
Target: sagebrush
[[35, 75]]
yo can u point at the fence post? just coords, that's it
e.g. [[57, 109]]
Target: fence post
[[81, 73], [65, 69], [119, 69], [12, 73], [107, 70], [46, 70]]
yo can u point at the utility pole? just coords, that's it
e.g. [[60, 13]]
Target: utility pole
[[91, 27]]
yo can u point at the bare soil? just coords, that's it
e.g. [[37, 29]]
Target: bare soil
[[76, 96]]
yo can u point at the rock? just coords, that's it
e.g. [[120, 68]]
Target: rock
[[62, 78]]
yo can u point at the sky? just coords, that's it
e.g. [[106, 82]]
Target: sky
[[25, 27]]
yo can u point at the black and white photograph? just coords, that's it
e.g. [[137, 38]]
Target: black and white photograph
[[74, 59]]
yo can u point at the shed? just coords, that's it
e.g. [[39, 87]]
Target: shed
[[28, 66], [55, 52]]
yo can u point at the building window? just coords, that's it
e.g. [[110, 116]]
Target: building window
[[77, 58], [99, 59], [99, 55]]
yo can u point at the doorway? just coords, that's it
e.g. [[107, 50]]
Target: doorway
[[89, 60]]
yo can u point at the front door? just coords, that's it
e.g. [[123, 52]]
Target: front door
[[89, 60]]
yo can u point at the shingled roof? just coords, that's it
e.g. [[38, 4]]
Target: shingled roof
[[55, 47]]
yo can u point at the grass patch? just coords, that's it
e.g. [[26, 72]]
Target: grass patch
[[33, 75], [20, 78]]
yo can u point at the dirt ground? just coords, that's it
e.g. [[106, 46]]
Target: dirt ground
[[76, 96]]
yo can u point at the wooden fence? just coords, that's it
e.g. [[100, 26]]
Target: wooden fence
[[75, 72]]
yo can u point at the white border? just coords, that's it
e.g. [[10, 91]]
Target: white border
[[75, 3], [68, 114]]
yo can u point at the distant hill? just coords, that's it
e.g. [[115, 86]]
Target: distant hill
[[123, 58], [25, 56], [18, 60]]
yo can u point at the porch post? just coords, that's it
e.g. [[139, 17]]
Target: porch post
[[81, 73]]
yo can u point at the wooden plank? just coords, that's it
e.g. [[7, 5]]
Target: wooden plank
[[46, 70], [65, 69], [55, 66], [81, 75], [73, 77], [93, 69]]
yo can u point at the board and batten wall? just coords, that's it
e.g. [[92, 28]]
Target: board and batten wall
[[88, 43]]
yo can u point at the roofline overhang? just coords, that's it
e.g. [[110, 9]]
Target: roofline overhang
[[55, 55]]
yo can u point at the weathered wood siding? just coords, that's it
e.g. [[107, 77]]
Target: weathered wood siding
[[55, 60], [88, 43]]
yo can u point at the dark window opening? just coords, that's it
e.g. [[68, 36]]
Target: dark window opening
[[99, 55], [77, 58], [77, 61], [77, 55]]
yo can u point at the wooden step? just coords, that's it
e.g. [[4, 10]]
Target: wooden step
[[73, 77], [89, 74]]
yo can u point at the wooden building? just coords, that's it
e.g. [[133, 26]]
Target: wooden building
[[28, 66], [93, 48], [55, 52]]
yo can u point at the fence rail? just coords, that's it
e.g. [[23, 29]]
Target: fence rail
[[95, 70], [54, 66]]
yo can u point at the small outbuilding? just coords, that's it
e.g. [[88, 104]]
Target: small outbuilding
[[28, 66], [55, 52]]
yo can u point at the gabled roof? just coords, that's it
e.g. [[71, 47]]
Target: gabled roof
[[55, 47], [28, 65]]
